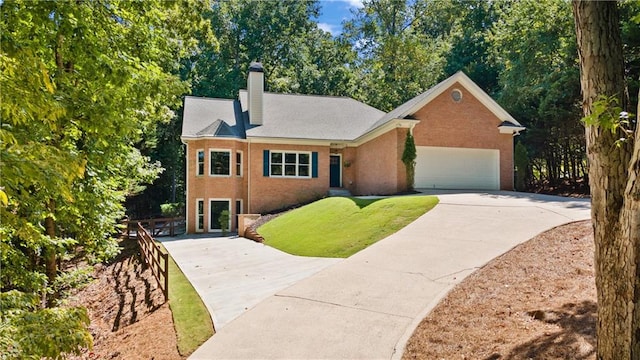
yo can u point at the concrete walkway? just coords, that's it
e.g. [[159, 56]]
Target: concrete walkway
[[233, 274], [367, 306]]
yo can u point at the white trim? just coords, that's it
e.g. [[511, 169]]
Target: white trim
[[283, 152], [209, 212], [339, 168], [235, 163], [472, 87], [390, 125], [204, 161], [186, 201], [249, 177], [293, 141], [231, 168], [198, 215]]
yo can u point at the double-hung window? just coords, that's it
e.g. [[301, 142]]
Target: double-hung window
[[239, 163], [290, 164], [220, 164], [200, 163]]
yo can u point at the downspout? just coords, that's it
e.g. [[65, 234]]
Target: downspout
[[249, 176], [186, 200]]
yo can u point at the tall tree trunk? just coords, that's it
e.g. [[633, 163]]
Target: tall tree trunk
[[49, 254], [615, 196]]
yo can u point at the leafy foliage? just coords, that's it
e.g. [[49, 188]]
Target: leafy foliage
[[409, 156], [84, 85]]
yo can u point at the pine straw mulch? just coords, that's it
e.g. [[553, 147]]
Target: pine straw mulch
[[537, 301], [129, 318]]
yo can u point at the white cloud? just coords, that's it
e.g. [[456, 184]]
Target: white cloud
[[354, 3], [330, 28]]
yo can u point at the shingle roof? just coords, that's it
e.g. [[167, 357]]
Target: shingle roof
[[312, 117], [413, 105], [211, 117]]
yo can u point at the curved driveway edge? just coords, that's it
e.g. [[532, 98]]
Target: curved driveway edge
[[233, 274], [367, 306]]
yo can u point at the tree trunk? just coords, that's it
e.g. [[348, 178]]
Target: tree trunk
[[49, 254], [615, 194]]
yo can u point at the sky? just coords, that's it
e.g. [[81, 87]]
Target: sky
[[334, 12]]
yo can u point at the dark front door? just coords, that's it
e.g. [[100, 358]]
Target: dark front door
[[335, 171]]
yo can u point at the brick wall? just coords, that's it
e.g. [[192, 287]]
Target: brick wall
[[272, 193], [467, 123], [208, 187], [378, 168]]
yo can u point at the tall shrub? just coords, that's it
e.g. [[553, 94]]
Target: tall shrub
[[409, 159]]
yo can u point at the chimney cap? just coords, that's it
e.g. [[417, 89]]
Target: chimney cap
[[256, 67]]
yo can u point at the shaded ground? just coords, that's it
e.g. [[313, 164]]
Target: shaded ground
[[129, 319], [537, 301]]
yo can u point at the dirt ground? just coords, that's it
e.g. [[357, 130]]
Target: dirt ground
[[129, 318], [537, 301]]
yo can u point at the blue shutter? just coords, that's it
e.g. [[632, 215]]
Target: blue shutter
[[314, 164], [265, 163]]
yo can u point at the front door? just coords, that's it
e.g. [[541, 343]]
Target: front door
[[335, 171]]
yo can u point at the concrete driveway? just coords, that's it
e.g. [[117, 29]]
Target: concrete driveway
[[367, 306], [233, 274]]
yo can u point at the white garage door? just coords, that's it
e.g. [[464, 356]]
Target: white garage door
[[457, 168]]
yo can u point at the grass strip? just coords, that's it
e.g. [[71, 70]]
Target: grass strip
[[190, 316], [342, 226]]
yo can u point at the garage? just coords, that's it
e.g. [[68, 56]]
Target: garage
[[457, 168]]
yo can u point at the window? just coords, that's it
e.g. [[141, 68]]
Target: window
[[239, 163], [200, 160], [238, 210], [216, 207], [290, 164], [220, 162], [199, 214]]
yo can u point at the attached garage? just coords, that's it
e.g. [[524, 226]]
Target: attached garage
[[457, 168]]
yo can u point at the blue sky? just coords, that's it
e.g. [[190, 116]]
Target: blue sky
[[334, 12]]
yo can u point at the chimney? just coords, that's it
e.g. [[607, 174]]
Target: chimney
[[255, 91]]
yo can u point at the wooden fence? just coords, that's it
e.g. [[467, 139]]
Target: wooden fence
[[155, 258], [156, 227]]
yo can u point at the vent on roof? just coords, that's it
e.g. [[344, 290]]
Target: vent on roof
[[255, 91]]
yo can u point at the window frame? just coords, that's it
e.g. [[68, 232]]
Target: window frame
[[283, 164], [238, 165], [213, 150], [198, 163], [199, 215], [228, 201]]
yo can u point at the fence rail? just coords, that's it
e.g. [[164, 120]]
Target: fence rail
[[156, 227], [155, 258]]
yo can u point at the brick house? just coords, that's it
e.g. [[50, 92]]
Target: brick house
[[266, 151]]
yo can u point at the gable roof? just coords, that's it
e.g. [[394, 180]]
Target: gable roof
[[312, 117], [412, 106], [211, 117]]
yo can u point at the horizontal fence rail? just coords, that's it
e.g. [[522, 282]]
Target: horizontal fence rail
[[155, 258], [156, 227]]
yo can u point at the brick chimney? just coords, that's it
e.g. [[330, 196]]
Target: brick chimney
[[255, 92]]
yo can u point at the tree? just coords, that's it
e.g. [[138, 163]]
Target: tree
[[534, 41], [396, 61], [84, 85], [613, 147], [521, 161], [409, 159]]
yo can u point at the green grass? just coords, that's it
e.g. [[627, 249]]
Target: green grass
[[190, 316], [340, 226]]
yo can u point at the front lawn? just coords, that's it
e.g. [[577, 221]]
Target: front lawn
[[341, 226]]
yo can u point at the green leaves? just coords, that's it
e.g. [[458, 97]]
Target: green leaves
[[84, 85], [607, 114]]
